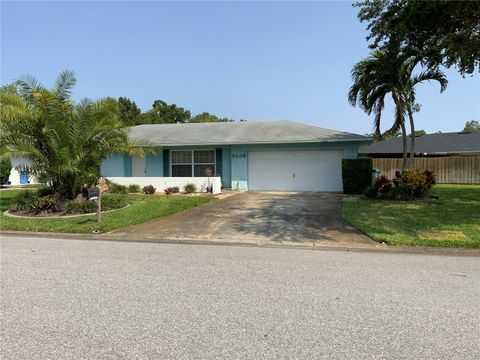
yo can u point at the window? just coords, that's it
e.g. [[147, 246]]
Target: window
[[188, 163]]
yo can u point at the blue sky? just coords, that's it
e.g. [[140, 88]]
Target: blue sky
[[249, 60]]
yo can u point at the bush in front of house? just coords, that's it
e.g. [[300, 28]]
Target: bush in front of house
[[30, 201], [149, 190], [133, 188], [190, 188], [109, 202], [408, 184], [356, 175], [168, 191], [114, 188], [175, 189]]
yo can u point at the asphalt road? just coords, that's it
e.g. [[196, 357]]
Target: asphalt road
[[74, 299]]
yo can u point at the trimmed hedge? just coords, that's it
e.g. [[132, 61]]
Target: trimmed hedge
[[356, 175]]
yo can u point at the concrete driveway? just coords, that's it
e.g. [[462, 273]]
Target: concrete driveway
[[260, 218]]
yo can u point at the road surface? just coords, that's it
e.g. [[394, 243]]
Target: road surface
[[78, 299]]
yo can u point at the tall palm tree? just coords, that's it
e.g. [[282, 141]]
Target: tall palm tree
[[409, 81], [65, 143], [390, 72]]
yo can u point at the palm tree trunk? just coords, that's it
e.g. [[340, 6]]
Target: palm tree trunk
[[404, 141], [400, 119], [412, 140]]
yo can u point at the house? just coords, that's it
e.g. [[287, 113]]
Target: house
[[269, 155], [18, 175], [453, 157]]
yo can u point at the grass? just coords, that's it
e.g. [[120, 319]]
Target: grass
[[451, 221], [143, 208]]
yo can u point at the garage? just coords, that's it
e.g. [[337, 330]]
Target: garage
[[319, 170]]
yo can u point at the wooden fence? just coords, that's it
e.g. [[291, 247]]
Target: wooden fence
[[448, 169]]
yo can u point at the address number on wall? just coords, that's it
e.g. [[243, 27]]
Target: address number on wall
[[239, 156]]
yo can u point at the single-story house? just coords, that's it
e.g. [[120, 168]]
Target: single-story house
[[268, 155], [453, 157], [18, 176]]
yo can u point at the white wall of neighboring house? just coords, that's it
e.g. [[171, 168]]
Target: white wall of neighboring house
[[15, 174], [161, 183]]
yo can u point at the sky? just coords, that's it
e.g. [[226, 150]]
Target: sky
[[242, 60]]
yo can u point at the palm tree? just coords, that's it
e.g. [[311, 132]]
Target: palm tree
[[409, 81], [390, 72], [65, 143]]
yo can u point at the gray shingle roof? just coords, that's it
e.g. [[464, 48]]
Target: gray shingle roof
[[434, 144], [245, 132]]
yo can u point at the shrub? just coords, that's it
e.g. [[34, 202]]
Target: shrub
[[190, 188], [115, 188], [412, 183], [370, 192], [46, 203], [149, 189], [356, 175], [109, 202], [168, 191], [133, 188], [5, 168], [382, 185], [29, 201], [430, 178], [175, 189], [45, 191], [24, 200]]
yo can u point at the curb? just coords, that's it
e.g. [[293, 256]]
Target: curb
[[377, 248]]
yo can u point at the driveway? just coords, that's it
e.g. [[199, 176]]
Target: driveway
[[258, 217]]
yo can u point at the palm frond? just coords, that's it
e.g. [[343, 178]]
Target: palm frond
[[64, 84]]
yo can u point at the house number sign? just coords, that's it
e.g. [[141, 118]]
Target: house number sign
[[239, 156]]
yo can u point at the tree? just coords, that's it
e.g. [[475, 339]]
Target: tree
[[206, 117], [437, 32], [64, 142], [390, 72], [170, 114], [472, 125], [420, 133], [5, 169], [128, 111]]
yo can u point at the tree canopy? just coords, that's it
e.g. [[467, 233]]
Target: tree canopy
[[472, 125], [438, 32], [65, 143], [207, 117], [128, 111]]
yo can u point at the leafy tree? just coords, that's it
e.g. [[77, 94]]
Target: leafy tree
[[170, 114], [128, 111], [420, 133], [439, 32], [472, 125], [206, 117], [64, 142], [391, 72], [5, 169]]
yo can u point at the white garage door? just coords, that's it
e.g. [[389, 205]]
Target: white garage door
[[295, 170]]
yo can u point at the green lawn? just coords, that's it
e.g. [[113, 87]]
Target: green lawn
[[451, 221], [144, 207]]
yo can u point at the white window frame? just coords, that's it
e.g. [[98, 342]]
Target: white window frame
[[194, 163]]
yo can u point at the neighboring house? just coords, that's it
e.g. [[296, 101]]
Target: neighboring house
[[270, 155], [19, 176], [453, 157]]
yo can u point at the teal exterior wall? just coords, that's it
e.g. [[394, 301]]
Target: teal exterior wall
[[154, 165], [116, 165], [234, 160]]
